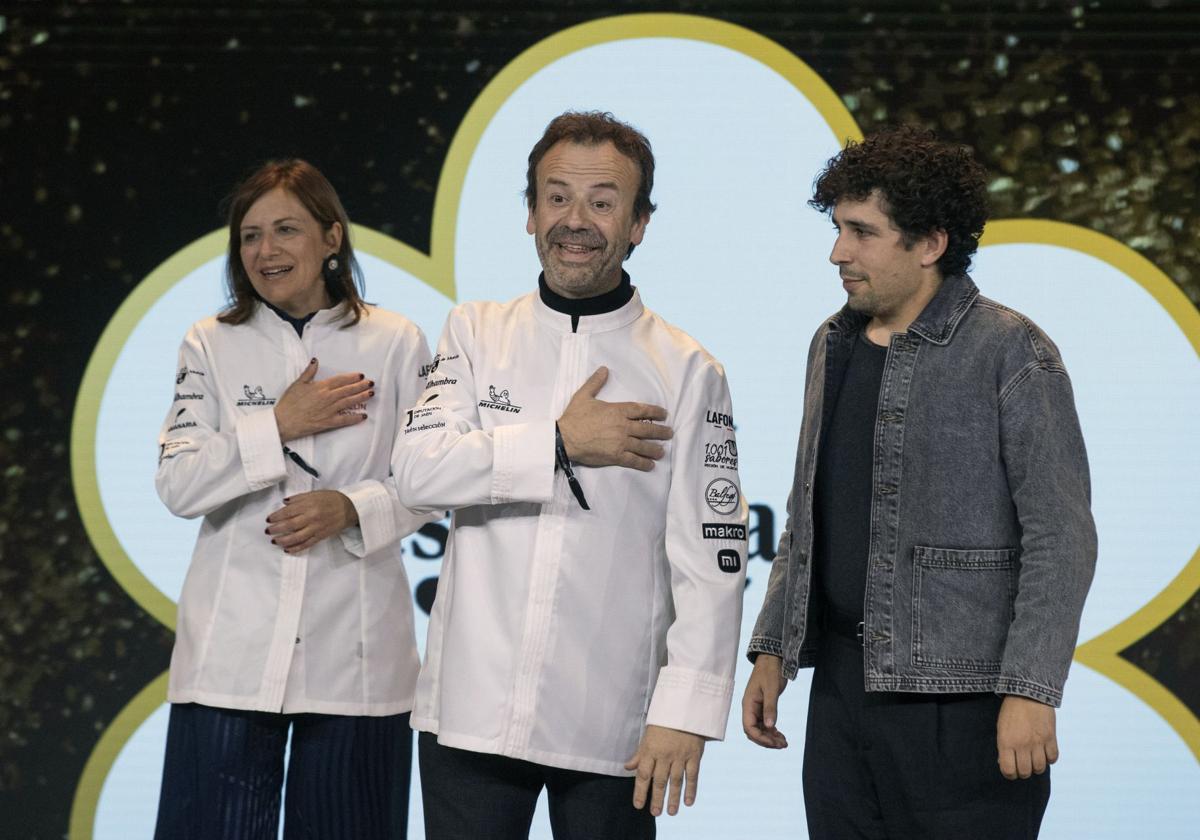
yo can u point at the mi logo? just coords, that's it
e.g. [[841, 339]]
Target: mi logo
[[729, 561]]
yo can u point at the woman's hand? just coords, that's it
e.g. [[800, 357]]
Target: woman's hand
[[307, 518], [309, 408]]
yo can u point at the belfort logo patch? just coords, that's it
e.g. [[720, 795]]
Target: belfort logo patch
[[255, 396], [499, 401], [721, 495]]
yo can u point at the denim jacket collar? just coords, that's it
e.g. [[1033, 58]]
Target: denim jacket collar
[[941, 315], [937, 320]]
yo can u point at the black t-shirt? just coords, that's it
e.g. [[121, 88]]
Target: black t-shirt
[[842, 501]]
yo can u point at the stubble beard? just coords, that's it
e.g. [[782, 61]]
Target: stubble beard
[[863, 299], [579, 281]]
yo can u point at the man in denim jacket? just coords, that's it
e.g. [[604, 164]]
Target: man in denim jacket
[[939, 542]]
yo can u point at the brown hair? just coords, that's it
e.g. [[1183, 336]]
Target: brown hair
[[591, 128], [306, 183], [925, 185]]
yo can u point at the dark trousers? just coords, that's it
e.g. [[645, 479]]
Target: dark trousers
[[479, 796], [347, 777], [897, 766]]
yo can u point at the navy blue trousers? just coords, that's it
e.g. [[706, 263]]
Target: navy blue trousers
[[347, 777], [900, 766], [479, 796]]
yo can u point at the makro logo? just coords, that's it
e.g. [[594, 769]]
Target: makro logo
[[722, 531]]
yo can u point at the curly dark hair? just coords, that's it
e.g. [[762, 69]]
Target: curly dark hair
[[924, 183]]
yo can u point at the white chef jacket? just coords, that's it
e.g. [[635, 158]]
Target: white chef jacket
[[329, 630], [558, 633]]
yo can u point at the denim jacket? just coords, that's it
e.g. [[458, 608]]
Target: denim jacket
[[982, 544]]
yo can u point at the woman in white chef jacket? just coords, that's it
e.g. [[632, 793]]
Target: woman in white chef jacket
[[296, 613]]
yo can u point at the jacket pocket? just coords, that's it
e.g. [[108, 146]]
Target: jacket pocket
[[962, 606]]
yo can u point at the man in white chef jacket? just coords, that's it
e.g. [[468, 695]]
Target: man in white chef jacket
[[585, 630]]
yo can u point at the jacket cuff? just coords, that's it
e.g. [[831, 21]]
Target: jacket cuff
[[260, 449], [523, 462], [1034, 691], [763, 644], [377, 526], [691, 701]]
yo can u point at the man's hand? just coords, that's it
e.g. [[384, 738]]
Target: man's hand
[[602, 434], [1025, 737], [307, 518], [309, 407], [760, 703], [666, 756]]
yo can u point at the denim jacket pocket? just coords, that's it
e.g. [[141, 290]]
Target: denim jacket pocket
[[962, 607]]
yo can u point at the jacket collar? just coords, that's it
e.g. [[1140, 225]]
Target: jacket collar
[[937, 320], [269, 318], [611, 311]]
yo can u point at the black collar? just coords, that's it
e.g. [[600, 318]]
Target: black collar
[[610, 301], [297, 323]]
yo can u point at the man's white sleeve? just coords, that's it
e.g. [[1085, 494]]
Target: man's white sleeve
[[201, 466], [445, 460], [706, 549]]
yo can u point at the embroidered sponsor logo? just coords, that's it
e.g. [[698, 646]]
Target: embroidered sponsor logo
[[722, 531], [255, 396], [185, 425], [179, 396], [729, 561], [428, 370], [721, 455], [718, 420], [445, 380], [166, 449], [425, 427], [721, 495], [183, 374], [417, 414], [499, 401]]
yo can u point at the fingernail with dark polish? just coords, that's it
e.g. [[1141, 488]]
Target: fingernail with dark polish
[[274, 543]]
